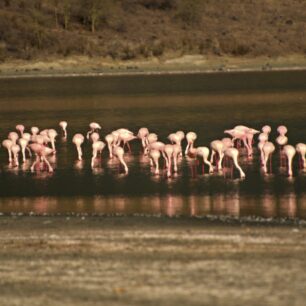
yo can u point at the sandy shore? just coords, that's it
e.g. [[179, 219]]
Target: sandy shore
[[82, 65], [149, 261]]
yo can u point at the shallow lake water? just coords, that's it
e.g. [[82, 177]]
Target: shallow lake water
[[204, 103]]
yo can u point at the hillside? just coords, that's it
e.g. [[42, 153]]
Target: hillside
[[141, 29]]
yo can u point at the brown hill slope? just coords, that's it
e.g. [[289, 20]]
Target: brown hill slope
[[129, 29]]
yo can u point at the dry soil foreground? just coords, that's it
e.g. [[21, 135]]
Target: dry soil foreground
[[149, 261]]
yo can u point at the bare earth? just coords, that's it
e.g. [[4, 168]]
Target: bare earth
[[83, 65], [149, 261]]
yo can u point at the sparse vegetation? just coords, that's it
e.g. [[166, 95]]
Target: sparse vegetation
[[128, 29]]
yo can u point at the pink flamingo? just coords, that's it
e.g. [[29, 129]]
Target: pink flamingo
[[301, 149], [97, 147], [34, 130], [41, 152], [281, 140], [174, 138], [238, 134], [267, 149], [94, 137], [110, 142], [282, 130], [152, 137], [289, 152], [250, 136], [169, 154], [63, 125], [125, 138], [263, 138], [20, 129], [52, 135], [93, 127], [143, 135], [15, 150], [158, 145], [154, 157], [7, 143], [23, 142], [78, 140], [266, 129], [204, 153], [217, 147], [119, 153], [233, 153], [181, 136], [13, 136], [191, 138], [177, 152]]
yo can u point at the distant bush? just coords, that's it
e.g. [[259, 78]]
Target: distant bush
[[189, 11], [158, 4]]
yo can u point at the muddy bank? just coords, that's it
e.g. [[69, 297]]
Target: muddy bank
[[149, 261], [83, 65]]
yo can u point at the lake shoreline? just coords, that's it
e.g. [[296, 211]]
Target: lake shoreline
[[56, 261], [155, 220], [80, 66]]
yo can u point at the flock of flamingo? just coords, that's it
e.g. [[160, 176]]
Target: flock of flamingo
[[219, 155]]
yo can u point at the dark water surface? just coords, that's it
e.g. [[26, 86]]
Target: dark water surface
[[204, 103]]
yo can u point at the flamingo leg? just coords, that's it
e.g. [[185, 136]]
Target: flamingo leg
[[50, 169]]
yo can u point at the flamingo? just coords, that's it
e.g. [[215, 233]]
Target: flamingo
[[110, 141], [227, 142], [174, 138], [177, 151], [97, 147], [267, 149], [51, 133], [191, 137], [20, 128], [154, 156], [13, 136], [233, 153], [266, 129], [63, 125], [125, 138], [7, 143], [143, 135], [152, 137], [289, 152], [263, 138], [34, 130], [41, 152], [217, 147], [119, 153], [78, 140], [93, 127], [282, 130], [238, 134], [281, 140], [94, 137], [181, 136], [301, 149], [158, 145], [15, 150], [204, 153], [169, 154], [250, 136], [23, 142]]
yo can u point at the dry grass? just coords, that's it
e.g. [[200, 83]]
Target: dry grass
[[141, 29]]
